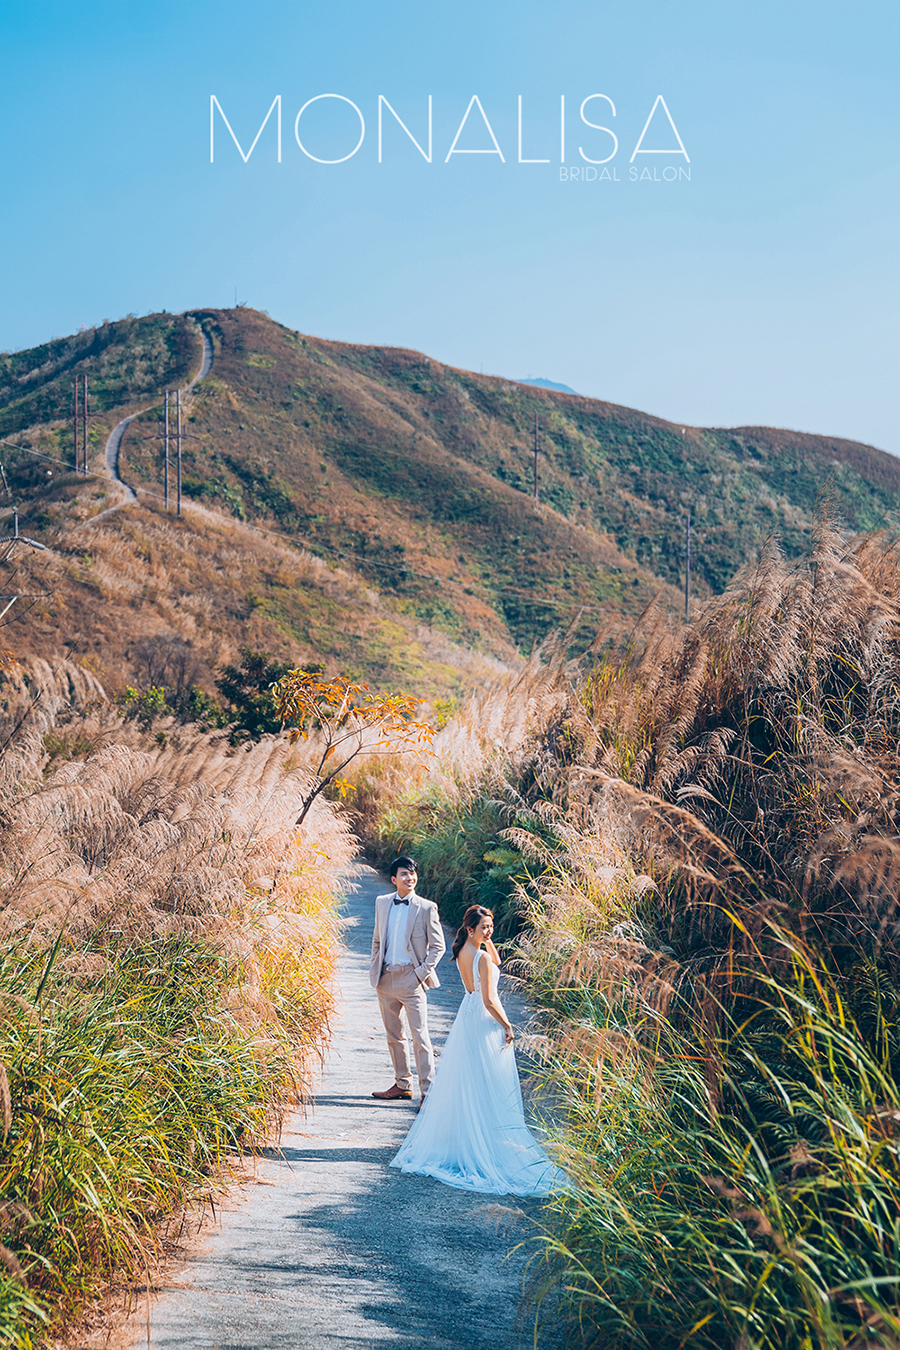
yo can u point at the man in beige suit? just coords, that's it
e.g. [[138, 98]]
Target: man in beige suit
[[406, 946]]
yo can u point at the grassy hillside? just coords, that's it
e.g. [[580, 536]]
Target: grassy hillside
[[416, 443], [416, 477], [124, 361], [361, 454], [220, 585]]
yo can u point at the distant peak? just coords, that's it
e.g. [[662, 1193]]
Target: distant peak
[[546, 384]]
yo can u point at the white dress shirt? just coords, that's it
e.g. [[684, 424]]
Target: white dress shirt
[[395, 953]]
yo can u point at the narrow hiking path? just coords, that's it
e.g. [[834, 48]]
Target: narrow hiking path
[[327, 1247], [114, 441]]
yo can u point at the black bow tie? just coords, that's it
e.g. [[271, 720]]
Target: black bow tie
[[398, 901]]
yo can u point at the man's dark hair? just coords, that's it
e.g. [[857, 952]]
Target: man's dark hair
[[408, 863]]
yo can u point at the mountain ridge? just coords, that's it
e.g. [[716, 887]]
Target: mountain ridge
[[416, 476]]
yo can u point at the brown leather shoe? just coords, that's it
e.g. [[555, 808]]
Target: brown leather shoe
[[393, 1094], [421, 1103]]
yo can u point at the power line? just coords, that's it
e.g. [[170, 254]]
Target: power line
[[75, 422], [9, 543], [84, 422]]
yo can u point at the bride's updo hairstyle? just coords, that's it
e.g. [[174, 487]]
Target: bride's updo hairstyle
[[471, 919]]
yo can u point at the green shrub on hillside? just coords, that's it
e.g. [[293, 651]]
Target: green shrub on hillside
[[247, 707], [464, 858], [247, 691], [216, 489]]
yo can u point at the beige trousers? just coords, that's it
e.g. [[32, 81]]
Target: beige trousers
[[399, 991]]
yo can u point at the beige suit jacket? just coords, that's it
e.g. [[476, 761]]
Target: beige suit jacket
[[424, 938]]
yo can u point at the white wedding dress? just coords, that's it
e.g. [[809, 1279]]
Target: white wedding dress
[[471, 1131]]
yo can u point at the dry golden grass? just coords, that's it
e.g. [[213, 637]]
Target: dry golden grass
[[747, 763], [167, 942], [221, 585], [191, 838]]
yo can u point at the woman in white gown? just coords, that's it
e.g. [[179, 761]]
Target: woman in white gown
[[471, 1130]]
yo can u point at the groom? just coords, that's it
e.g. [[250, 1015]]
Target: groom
[[406, 947]]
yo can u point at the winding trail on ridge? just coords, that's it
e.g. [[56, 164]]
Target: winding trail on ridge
[[327, 1247], [114, 442]]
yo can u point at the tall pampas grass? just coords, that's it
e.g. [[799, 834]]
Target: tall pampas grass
[[708, 877], [715, 947], [167, 940]]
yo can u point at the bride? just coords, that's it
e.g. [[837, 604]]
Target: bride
[[471, 1130]]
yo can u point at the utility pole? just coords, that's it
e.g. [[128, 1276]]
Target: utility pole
[[84, 421], [687, 566], [178, 443], [167, 451], [535, 457], [9, 545], [80, 415], [75, 423]]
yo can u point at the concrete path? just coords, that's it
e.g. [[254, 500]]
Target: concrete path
[[111, 455], [206, 361], [329, 1248], [114, 442]]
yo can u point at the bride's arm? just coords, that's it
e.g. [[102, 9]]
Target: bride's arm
[[492, 952], [493, 1004]]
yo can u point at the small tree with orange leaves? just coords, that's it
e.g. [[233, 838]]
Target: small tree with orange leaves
[[348, 720]]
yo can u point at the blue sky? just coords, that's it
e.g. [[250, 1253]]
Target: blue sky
[[764, 290]]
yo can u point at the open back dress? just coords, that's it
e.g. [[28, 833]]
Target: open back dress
[[471, 1130]]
